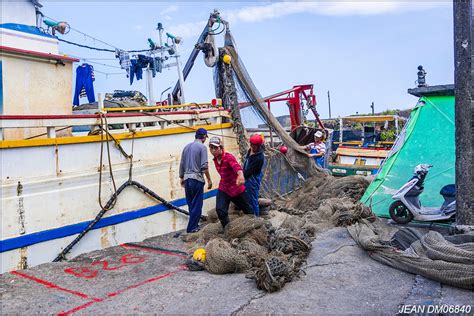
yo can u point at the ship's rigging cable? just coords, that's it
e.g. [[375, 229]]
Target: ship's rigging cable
[[101, 49], [186, 126], [130, 182], [95, 39], [103, 119]]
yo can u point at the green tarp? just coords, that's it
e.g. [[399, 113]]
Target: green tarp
[[428, 137]]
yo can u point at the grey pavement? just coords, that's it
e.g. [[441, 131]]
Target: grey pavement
[[340, 279]]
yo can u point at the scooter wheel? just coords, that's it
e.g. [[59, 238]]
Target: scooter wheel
[[400, 213]]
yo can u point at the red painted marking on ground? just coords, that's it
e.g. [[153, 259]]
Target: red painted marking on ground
[[153, 250], [75, 309], [52, 285], [81, 272], [144, 282], [113, 294], [85, 272]]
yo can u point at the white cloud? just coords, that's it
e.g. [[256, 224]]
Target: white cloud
[[170, 9], [138, 27], [328, 8], [188, 30]]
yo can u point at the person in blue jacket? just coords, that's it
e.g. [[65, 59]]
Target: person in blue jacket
[[253, 170]]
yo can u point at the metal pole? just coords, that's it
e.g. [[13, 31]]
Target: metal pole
[[464, 114], [340, 131], [180, 73], [269, 128], [100, 102], [329, 104], [149, 84], [160, 33]]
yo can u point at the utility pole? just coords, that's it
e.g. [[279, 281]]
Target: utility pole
[[372, 106], [329, 104], [464, 113]]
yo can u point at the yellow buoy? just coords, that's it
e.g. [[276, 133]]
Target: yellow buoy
[[199, 255], [226, 59]]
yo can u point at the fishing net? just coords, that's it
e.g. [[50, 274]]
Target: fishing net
[[307, 202], [271, 250], [448, 260], [283, 173]]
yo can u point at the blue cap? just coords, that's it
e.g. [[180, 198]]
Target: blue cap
[[200, 132]]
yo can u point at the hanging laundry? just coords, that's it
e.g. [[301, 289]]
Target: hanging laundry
[[142, 61], [84, 79], [83, 93], [124, 59], [135, 70], [158, 64]]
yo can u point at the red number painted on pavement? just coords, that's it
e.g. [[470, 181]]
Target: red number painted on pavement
[[92, 273], [132, 259], [105, 265], [82, 272]]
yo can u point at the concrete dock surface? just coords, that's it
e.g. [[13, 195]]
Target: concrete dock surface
[[339, 278]]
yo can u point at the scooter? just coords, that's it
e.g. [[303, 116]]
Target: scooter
[[407, 205]]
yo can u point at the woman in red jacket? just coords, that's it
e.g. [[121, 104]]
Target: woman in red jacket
[[231, 186]]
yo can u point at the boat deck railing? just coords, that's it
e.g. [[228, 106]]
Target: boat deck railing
[[121, 119]]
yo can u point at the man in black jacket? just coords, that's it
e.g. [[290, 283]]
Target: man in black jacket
[[253, 171]]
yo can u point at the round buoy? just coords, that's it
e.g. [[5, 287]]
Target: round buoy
[[199, 255], [283, 149], [227, 59]]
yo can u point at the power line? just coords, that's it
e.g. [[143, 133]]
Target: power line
[[96, 63], [85, 46], [109, 73], [91, 58], [101, 49], [95, 39]]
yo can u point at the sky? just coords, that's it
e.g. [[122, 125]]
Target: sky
[[362, 52]]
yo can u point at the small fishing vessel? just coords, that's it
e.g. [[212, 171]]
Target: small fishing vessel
[[364, 153]]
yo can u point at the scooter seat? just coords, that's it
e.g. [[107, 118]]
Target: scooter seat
[[448, 190]]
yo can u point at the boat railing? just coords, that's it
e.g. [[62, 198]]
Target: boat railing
[[128, 119], [168, 108]]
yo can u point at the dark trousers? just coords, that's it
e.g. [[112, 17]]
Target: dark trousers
[[222, 205], [252, 186], [194, 190]]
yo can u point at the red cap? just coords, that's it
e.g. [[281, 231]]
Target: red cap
[[256, 139]]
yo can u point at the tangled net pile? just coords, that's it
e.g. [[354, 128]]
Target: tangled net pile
[[272, 250]]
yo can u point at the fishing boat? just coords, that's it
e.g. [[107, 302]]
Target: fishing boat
[[57, 177], [99, 175], [364, 153]]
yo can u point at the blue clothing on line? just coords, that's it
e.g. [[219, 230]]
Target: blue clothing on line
[[84, 79], [135, 70], [142, 61], [194, 190]]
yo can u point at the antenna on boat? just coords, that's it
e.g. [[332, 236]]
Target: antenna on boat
[[176, 40]]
